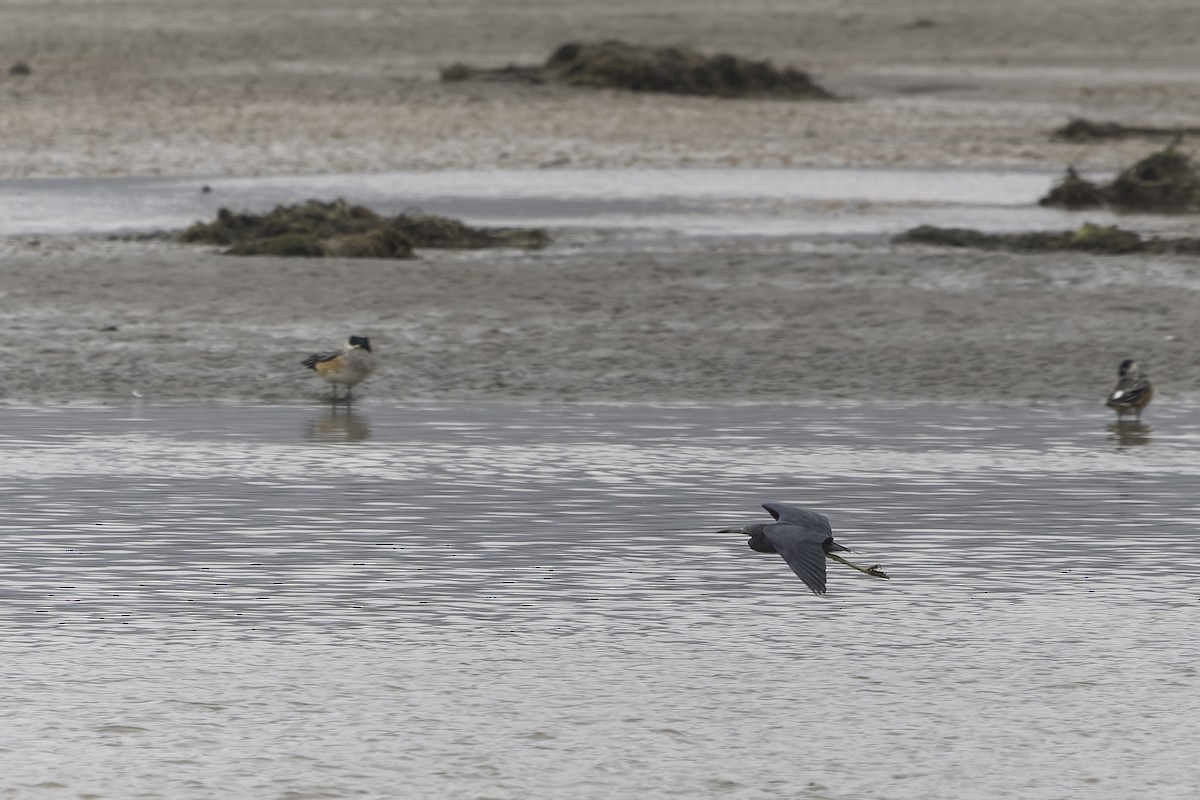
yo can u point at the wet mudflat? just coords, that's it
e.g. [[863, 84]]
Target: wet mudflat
[[505, 600]]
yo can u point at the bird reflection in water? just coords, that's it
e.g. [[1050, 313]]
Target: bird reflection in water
[[1128, 433], [338, 426]]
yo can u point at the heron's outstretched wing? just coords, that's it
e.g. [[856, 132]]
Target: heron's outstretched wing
[[801, 548], [799, 516]]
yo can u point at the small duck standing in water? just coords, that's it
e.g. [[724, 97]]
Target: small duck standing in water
[[1133, 391], [347, 366]]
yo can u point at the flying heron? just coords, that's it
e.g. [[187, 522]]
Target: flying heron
[[804, 539], [1133, 391]]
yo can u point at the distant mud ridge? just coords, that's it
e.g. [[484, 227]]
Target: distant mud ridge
[[1105, 240], [1164, 181], [341, 230], [674, 70], [1086, 130]]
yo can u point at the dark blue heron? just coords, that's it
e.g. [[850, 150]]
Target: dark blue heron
[[804, 539]]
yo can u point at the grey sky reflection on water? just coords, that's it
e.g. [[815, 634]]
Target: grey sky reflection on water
[[689, 202], [474, 504], [530, 601]]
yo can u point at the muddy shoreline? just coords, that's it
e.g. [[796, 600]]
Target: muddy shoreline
[[110, 321], [166, 87]]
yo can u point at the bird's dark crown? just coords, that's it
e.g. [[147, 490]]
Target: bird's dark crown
[[1126, 366], [360, 341]]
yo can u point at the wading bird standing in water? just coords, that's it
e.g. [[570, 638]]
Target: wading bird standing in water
[[804, 539], [1133, 391], [347, 366]]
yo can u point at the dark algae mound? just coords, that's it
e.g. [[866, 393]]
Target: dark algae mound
[[1167, 180], [283, 244], [1164, 181], [312, 219], [675, 70], [382, 242], [1074, 192], [428, 230], [342, 230], [1106, 240]]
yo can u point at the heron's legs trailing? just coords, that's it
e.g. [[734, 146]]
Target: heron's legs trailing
[[874, 572]]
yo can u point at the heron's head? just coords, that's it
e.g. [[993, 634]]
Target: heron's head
[[361, 341], [748, 530]]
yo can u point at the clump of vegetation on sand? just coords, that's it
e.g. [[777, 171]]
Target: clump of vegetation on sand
[[1102, 239], [339, 229], [1167, 180], [1074, 192], [615, 64]]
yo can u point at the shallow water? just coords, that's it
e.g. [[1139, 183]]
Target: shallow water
[[531, 602], [693, 203]]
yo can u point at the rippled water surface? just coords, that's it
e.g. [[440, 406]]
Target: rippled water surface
[[529, 602]]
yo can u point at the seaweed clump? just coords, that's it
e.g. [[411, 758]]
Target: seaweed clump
[[1090, 238], [1074, 192], [430, 230], [339, 229], [614, 64], [676, 70], [282, 244], [1167, 180]]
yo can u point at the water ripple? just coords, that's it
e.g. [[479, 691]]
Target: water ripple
[[466, 596]]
